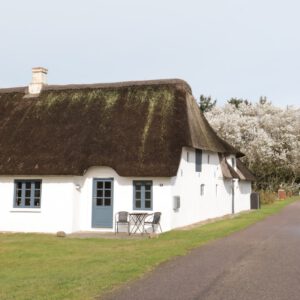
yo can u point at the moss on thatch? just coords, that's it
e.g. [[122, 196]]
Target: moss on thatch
[[137, 128]]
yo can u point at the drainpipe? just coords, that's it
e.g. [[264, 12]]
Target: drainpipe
[[232, 196]]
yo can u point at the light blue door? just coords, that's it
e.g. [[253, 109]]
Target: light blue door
[[102, 208]]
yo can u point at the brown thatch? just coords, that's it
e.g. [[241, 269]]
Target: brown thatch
[[227, 171], [137, 128], [243, 172], [202, 134]]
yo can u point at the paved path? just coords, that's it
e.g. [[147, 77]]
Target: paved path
[[261, 262]]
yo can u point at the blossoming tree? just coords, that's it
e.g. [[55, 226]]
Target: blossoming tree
[[269, 137]]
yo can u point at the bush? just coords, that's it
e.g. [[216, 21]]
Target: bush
[[267, 197], [292, 189]]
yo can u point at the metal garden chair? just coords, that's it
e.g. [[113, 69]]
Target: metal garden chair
[[153, 220], [122, 217]]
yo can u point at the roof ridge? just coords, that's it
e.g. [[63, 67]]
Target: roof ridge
[[119, 84], [19, 89], [53, 87]]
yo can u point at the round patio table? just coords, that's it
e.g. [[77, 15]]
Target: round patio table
[[137, 222]]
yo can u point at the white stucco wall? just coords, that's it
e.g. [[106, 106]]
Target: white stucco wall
[[123, 196], [56, 212], [217, 198], [64, 207], [66, 202], [196, 207], [244, 190]]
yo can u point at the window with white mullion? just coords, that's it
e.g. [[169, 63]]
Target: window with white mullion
[[107, 193], [103, 193], [37, 197], [142, 194], [18, 196], [148, 196], [27, 194], [138, 196]]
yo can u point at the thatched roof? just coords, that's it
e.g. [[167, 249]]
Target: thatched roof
[[228, 172], [241, 172], [137, 128]]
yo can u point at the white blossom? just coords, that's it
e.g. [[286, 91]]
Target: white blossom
[[269, 136]]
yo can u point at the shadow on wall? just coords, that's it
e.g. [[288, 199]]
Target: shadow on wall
[[227, 184]]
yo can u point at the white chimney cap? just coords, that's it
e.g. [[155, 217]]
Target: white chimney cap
[[39, 70], [39, 79]]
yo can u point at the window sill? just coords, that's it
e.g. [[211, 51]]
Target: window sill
[[26, 210], [142, 209]]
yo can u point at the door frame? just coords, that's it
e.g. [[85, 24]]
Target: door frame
[[94, 180]]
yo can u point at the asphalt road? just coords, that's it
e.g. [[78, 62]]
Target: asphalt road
[[261, 262]]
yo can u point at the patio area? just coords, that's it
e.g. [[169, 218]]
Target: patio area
[[108, 235]]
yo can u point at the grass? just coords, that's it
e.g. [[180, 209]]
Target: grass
[[36, 266]]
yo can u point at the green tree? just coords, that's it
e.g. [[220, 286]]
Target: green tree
[[206, 103], [237, 101], [263, 100]]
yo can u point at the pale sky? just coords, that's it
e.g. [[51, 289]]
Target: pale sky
[[222, 48]]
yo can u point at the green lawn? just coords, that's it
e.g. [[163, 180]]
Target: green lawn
[[34, 266]]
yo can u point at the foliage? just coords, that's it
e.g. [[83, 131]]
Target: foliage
[[40, 266], [236, 102], [263, 100], [267, 197], [206, 103], [268, 135]]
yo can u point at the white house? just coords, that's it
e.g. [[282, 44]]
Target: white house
[[73, 155]]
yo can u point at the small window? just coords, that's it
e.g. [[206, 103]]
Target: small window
[[188, 156], [208, 158], [176, 203], [233, 162], [142, 195], [202, 189], [27, 194], [103, 192], [198, 160]]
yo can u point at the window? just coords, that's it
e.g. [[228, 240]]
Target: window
[[176, 203], [198, 160], [27, 193], [188, 156], [233, 162], [208, 158], [103, 192], [202, 189], [142, 195]]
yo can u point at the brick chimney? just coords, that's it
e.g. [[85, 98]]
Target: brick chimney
[[39, 79]]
